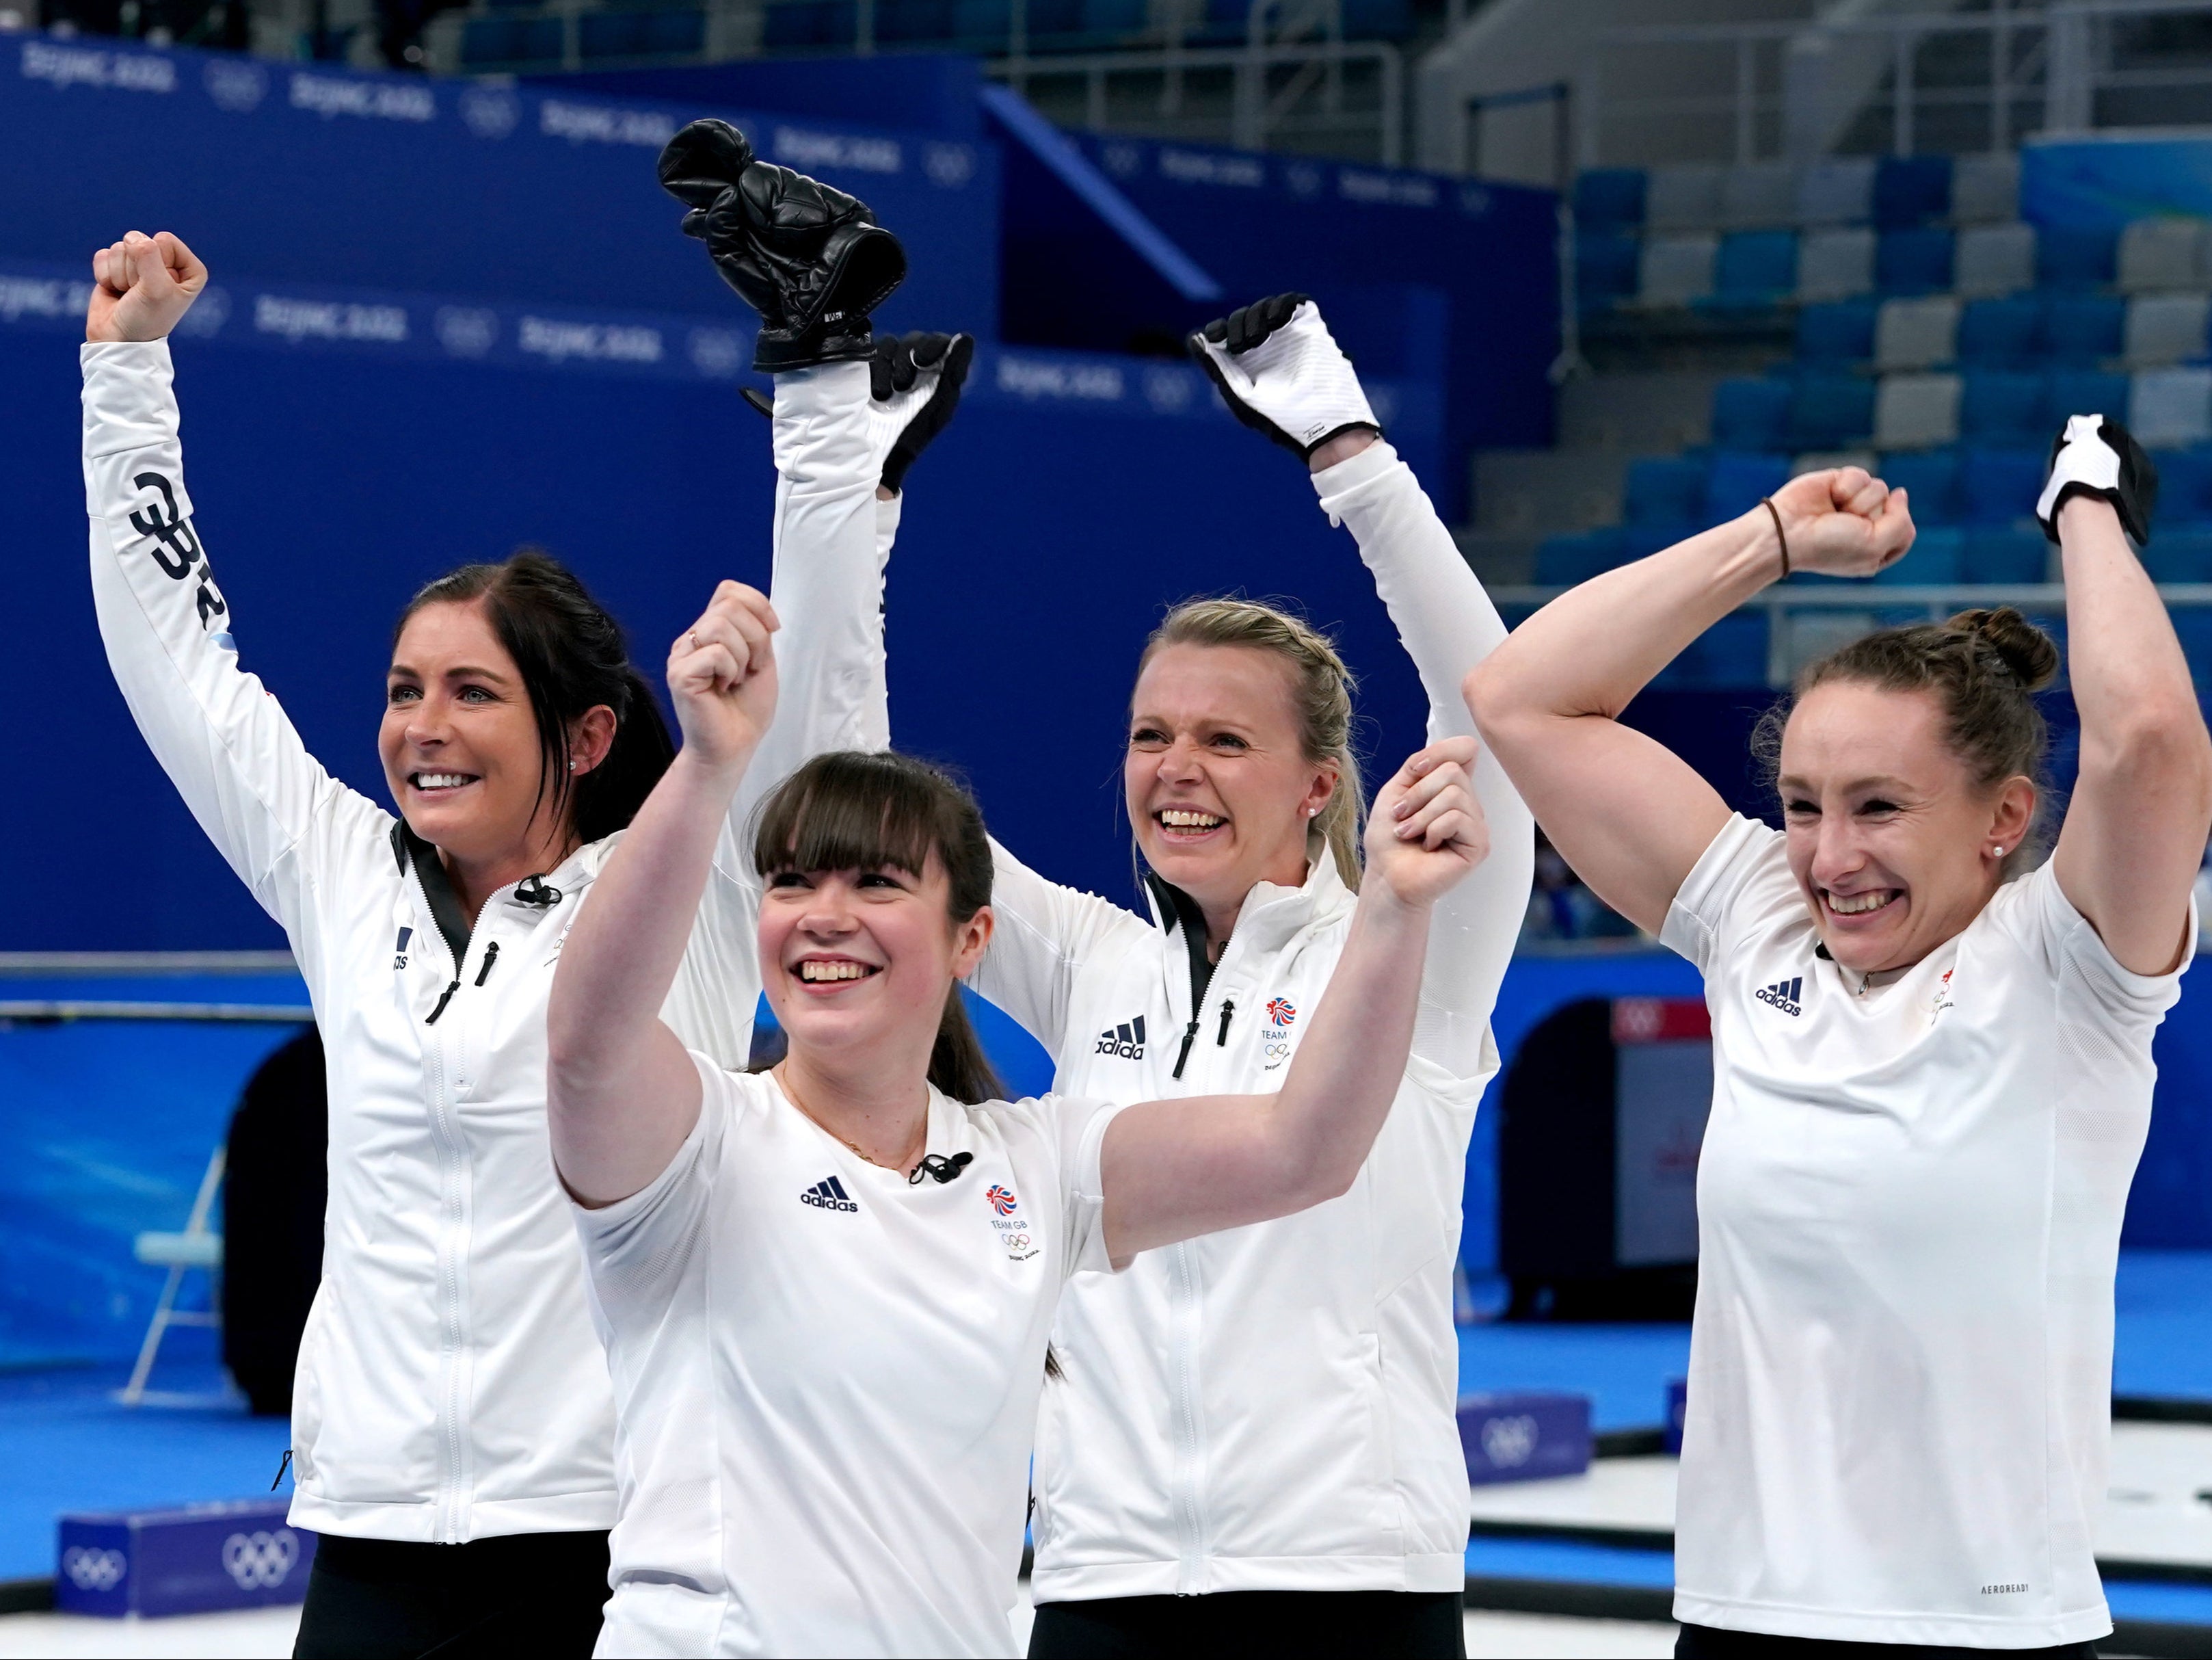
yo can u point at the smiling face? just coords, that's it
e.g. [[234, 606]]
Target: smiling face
[[1216, 779], [1892, 839], [459, 743], [861, 962]]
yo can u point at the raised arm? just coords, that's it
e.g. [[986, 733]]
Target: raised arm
[[1629, 815], [621, 1093], [226, 744], [2135, 830], [1172, 1169]]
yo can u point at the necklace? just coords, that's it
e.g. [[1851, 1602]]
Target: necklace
[[783, 1083]]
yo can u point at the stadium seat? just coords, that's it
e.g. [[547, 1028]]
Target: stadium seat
[[1828, 411], [1675, 270], [1930, 479], [2170, 407], [1911, 189], [1642, 541], [2162, 254], [1917, 334], [989, 23], [1755, 266], [1935, 557], [1994, 259], [1916, 411], [1683, 198], [1607, 264], [2080, 330], [2068, 257], [1107, 23], [614, 32], [1751, 414], [1999, 486], [511, 41], [2166, 328], [1564, 561], [1731, 652], [2013, 554], [2084, 391], [2002, 408], [675, 33], [2184, 486], [902, 21], [1736, 481], [1838, 331], [2181, 555], [1913, 261], [1373, 20], [1663, 490], [1835, 263], [1985, 188], [2000, 334], [1759, 195], [1609, 198], [1838, 192], [810, 23]]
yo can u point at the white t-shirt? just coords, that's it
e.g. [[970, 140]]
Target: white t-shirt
[[826, 1377], [1909, 1211]]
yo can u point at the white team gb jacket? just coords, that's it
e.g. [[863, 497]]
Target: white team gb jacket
[[1270, 1408], [451, 1386]]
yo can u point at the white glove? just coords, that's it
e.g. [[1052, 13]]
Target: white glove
[[2100, 458], [1282, 373]]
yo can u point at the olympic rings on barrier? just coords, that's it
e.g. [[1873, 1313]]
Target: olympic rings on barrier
[[261, 1561]]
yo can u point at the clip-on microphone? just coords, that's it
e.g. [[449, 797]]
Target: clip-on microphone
[[940, 1168], [533, 891]]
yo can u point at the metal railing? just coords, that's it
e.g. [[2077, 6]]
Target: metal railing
[[1862, 607], [1793, 90]]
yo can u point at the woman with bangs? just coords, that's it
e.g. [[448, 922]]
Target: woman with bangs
[[827, 1289]]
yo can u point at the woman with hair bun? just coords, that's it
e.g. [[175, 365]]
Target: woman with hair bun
[[1931, 1055]]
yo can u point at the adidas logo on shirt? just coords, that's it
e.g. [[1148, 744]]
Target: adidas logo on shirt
[[1783, 995], [1126, 1040], [828, 1194]]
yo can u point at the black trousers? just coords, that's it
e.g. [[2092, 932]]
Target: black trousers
[[528, 1594], [1231, 1625], [1711, 1643]]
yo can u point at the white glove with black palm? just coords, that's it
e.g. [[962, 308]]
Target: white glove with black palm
[[914, 389], [2096, 457], [1282, 373]]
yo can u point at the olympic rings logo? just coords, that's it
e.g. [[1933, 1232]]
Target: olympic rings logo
[[261, 1561], [95, 1569], [1509, 1443]]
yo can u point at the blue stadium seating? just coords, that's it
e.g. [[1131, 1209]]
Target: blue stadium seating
[[2184, 486], [1737, 480], [1564, 561], [1226, 23], [1105, 21], [1609, 198], [2000, 334], [2179, 555], [624, 33], [1663, 490], [1055, 23], [1999, 486], [1913, 261], [1642, 541], [1930, 478], [1756, 267], [1839, 331], [2068, 256], [1605, 269], [1751, 414], [1377, 20], [1937, 555], [1911, 189], [1829, 411], [2011, 553], [899, 22], [2084, 329], [793, 24], [511, 40], [2002, 408], [2083, 391], [1731, 652], [981, 22]]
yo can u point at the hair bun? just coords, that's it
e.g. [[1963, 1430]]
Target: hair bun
[[2025, 650]]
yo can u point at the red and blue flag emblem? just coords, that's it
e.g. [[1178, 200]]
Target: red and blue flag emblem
[[1002, 1200], [1281, 1011]]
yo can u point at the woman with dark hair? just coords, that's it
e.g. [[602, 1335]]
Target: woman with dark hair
[[1931, 1055], [453, 1424], [827, 1289]]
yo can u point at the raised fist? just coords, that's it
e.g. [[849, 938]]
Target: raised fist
[[142, 287], [1282, 373]]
